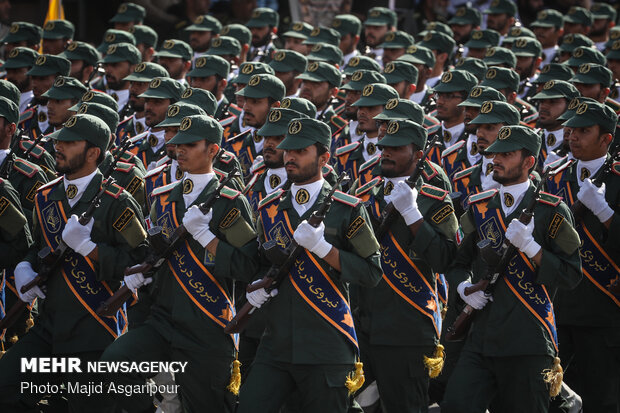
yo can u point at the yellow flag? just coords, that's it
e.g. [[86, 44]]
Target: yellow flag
[[55, 11]]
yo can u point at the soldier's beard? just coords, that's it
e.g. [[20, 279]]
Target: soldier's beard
[[72, 165], [272, 164], [396, 171], [303, 174]]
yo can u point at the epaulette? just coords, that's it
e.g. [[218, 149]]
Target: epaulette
[[480, 196], [464, 173], [25, 167], [50, 184], [338, 122], [616, 167], [615, 106], [126, 156], [368, 186], [164, 160], [257, 167], [431, 124], [531, 118], [556, 163], [26, 115], [123, 124], [339, 109], [250, 184], [228, 121], [326, 170], [342, 94], [433, 192], [369, 163], [271, 197], [37, 151], [164, 189], [549, 199], [114, 190], [124, 167], [429, 170], [229, 193], [234, 109], [346, 199], [347, 148], [227, 157], [220, 174], [155, 171], [452, 148]]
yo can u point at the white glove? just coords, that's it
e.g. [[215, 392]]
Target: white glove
[[404, 199], [260, 296], [594, 199], [77, 236], [23, 275], [312, 239], [137, 280], [197, 224], [521, 237], [477, 300], [258, 160]]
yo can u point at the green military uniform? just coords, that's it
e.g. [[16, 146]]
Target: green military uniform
[[186, 326], [299, 348], [263, 17], [510, 343], [65, 326]]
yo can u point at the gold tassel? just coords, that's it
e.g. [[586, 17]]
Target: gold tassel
[[553, 377], [3, 350], [29, 323], [13, 339], [235, 378], [355, 380], [435, 364], [444, 310]]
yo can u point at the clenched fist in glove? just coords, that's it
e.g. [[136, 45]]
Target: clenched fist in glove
[[77, 236], [593, 198], [23, 275], [521, 237], [197, 224], [312, 239], [477, 299], [137, 280], [260, 296], [404, 199]]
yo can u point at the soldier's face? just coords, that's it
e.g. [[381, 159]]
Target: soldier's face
[[171, 150], [476, 52], [487, 133], [207, 83], [318, 93], [41, 84], [348, 43], [136, 89], [155, 110], [595, 91], [304, 165], [58, 111], [548, 36], [290, 83], [525, 66], [461, 32], [70, 156], [403, 88], [389, 55], [199, 41], [509, 167], [53, 46], [115, 72], [19, 78], [499, 22], [292, 43], [548, 112], [365, 115], [196, 157], [238, 98], [255, 111], [351, 97], [274, 158], [260, 35], [576, 28], [447, 106], [588, 143], [614, 66], [126, 26], [470, 113], [397, 160], [174, 65], [374, 34]]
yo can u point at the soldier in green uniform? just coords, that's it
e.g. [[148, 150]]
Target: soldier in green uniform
[[83, 58], [22, 34], [98, 252], [64, 93], [211, 73], [513, 341], [588, 316], [119, 62], [57, 35], [17, 64], [418, 243], [287, 65], [176, 57], [594, 81], [264, 26], [309, 343], [529, 56], [146, 41], [127, 16], [295, 35], [424, 60], [201, 32], [186, 323]]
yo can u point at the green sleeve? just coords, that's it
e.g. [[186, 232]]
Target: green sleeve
[[435, 238], [14, 233]]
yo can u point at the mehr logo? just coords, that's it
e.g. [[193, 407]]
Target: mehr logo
[[584, 68], [357, 76], [168, 44], [41, 60], [446, 77], [83, 109], [49, 26], [504, 133], [71, 122], [173, 110], [476, 35], [313, 67], [582, 109], [475, 92], [187, 93], [391, 104], [111, 49], [275, 116], [294, 128], [110, 37], [140, 68], [254, 80], [486, 107], [491, 73], [393, 127], [247, 69], [155, 83], [549, 85], [186, 123], [72, 46], [279, 56], [286, 103], [389, 68], [201, 62], [60, 82], [367, 91]]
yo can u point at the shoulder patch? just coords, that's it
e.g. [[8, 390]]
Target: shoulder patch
[[37, 151], [369, 163], [549, 199], [368, 186], [162, 161], [26, 115], [50, 184], [464, 173], [114, 190], [164, 189], [230, 218], [234, 109], [347, 148], [258, 167], [433, 192], [346, 199], [133, 185], [220, 174], [452, 148], [554, 225], [25, 167], [155, 171], [227, 157], [338, 122], [616, 167], [326, 170], [250, 184], [443, 213], [480, 196], [431, 124], [229, 193], [228, 121], [124, 167], [124, 218], [270, 198], [429, 171], [355, 226]]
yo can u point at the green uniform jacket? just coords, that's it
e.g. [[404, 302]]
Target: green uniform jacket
[[14, 233], [504, 327], [295, 332], [129, 177], [236, 258], [38, 156], [62, 317], [384, 315], [26, 177]]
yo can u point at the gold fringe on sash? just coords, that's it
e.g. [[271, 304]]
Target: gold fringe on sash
[[444, 310], [553, 377], [355, 380], [29, 323], [435, 364], [235, 378], [2, 351]]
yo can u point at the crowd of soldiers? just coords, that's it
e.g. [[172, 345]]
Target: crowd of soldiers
[[313, 224]]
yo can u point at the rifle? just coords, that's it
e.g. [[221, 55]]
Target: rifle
[[7, 164], [159, 253], [118, 152], [98, 70], [282, 261], [390, 213], [497, 262], [51, 260], [37, 141]]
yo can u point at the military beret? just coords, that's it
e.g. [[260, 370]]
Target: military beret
[[517, 31], [585, 54], [549, 18], [614, 34], [205, 23], [237, 31], [196, 128], [288, 61], [359, 63], [527, 47], [323, 35], [298, 30], [591, 74], [438, 41], [176, 49], [47, 64], [201, 98], [122, 52], [502, 7], [10, 91], [84, 128], [376, 94], [263, 86], [304, 132], [497, 56], [164, 88], [614, 50], [129, 12], [501, 78], [20, 57], [58, 29], [361, 78], [301, 105], [325, 53], [144, 35], [210, 65], [224, 46], [404, 132], [579, 15], [112, 36], [455, 81], [515, 137], [603, 11], [81, 51], [249, 69], [497, 111], [402, 109], [436, 26], [322, 72], [381, 16], [347, 24], [483, 38], [9, 110], [418, 54], [95, 96], [398, 71], [574, 40], [147, 71], [397, 40], [109, 116], [480, 94], [178, 111], [262, 17], [553, 71], [593, 113], [475, 66], [466, 15], [555, 89], [23, 31], [277, 122], [66, 88], [572, 107]]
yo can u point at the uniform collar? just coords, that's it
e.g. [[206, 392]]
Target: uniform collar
[[370, 147], [80, 187], [512, 195], [455, 132], [24, 99], [555, 141], [587, 169], [473, 155], [389, 185], [417, 97], [195, 183], [432, 81], [160, 140], [3, 154], [279, 178], [302, 192], [122, 97]]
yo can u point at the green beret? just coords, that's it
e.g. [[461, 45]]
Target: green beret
[[263, 17], [526, 47], [112, 36], [23, 31], [572, 41], [205, 23], [481, 39], [347, 24], [614, 35], [496, 56], [66, 88], [359, 63], [381, 16], [9, 110], [129, 12], [553, 71], [81, 51], [579, 15], [376, 94], [147, 71], [263, 86], [323, 35], [242, 34], [304, 132], [591, 74], [603, 11], [224, 46], [515, 137], [58, 29], [402, 109], [496, 111], [361, 78], [397, 71], [301, 105], [20, 57], [502, 7], [249, 69], [325, 53], [438, 41], [201, 98], [549, 18], [278, 121], [436, 26], [144, 35], [517, 31], [473, 65], [84, 128], [593, 113], [501, 78], [397, 40], [466, 15], [480, 94], [178, 111], [196, 128], [209, 65], [455, 81], [95, 96], [164, 88], [555, 89], [298, 30], [572, 107], [10, 91], [122, 52], [585, 54], [176, 49], [47, 64], [322, 72], [417, 54], [614, 50], [403, 133], [109, 116], [288, 61]]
